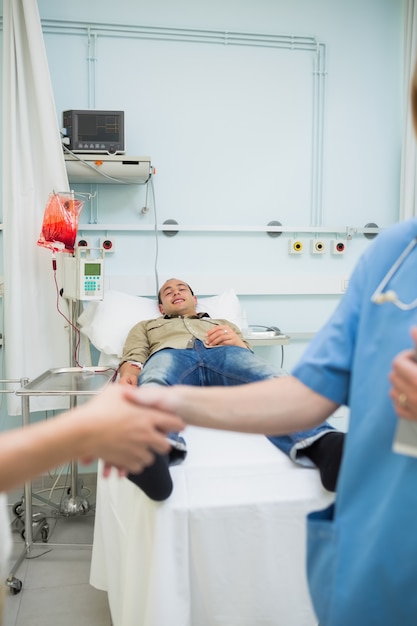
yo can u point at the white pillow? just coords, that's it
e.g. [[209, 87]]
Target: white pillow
[[107, 322], [224, 306]]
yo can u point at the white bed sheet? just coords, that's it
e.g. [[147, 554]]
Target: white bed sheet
[[226, 549]]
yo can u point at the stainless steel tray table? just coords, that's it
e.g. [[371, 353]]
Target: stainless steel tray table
[[64, 381], [68, 381]]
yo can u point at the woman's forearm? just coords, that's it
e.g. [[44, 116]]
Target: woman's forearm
[[28, 452]]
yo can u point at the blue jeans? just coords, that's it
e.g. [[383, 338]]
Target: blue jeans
[[224, 366]]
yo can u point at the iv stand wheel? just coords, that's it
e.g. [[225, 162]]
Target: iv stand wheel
[[18, 508], [40, 526], [15, 585], [44, 533]]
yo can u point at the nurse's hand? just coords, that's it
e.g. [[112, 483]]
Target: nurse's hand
[[403, 378]]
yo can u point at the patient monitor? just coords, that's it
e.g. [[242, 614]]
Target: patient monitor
[[83, 274]]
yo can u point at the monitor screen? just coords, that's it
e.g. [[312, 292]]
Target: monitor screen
[[98, 127]]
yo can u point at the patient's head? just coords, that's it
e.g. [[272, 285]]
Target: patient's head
[[177, 298]]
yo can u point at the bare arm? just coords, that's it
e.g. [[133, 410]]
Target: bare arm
[[109, 426], [273, 407]]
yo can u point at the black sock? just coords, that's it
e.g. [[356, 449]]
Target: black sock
[[155, 480], [326, 453]]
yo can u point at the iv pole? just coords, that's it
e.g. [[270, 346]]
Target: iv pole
[[74, 503]]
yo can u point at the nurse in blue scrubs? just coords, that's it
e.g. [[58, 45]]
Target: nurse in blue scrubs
[[362, 553]]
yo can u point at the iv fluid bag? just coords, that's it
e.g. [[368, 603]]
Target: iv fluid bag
[[60, 223]]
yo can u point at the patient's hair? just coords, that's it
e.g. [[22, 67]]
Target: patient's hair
[[159, 292]]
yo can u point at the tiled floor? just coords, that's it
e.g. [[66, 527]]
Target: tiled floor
[[56, 589]]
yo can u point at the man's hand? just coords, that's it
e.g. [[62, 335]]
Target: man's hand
[[403, 378], [223, 335], [128, 379], [129, 374]]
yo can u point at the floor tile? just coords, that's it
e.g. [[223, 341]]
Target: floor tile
[[59, 567], [55, 574], [11, 609], [63, 606]]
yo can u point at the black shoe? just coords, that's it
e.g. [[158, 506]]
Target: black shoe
[[326, 453], [178, 451], [155, 480]]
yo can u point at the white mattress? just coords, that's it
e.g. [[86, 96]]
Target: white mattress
[[226, 549]]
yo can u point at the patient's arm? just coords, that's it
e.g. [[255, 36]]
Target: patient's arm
[[129, 373]]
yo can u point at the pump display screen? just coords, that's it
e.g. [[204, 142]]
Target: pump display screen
[[92, 269]]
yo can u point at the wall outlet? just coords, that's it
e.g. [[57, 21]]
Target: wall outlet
[[107, 243], [295, 246], [317, 246], [338, 246]]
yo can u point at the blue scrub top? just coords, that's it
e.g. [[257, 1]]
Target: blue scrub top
[[362, 555]]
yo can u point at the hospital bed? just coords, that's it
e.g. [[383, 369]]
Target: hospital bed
[[228, 547]]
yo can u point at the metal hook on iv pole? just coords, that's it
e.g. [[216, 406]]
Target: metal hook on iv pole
[[73, 193]]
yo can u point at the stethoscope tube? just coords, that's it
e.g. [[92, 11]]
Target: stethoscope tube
[[378, 297]]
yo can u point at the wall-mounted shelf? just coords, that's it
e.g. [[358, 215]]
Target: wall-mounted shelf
[[108, 168]]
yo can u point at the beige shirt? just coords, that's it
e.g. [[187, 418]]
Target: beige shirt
[[149, 336]]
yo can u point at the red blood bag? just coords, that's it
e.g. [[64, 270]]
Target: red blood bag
[[60, 223]]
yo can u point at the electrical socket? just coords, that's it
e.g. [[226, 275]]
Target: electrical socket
[[338, 246], [107, 243], [317, 246], [295, 246], [82, 242]]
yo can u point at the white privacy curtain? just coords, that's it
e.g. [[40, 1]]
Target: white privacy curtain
[[33, 166], [408, 198]]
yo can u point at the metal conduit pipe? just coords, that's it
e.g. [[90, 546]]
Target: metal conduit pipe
[[293, 42], [91, 68], [320, 74], [346, 231]]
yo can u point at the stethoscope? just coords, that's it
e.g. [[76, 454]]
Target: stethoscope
[[379, 297]]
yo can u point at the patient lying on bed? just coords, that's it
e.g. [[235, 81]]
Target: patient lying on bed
[[190, 348]]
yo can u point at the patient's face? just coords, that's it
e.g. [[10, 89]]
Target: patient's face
[[177, 298]]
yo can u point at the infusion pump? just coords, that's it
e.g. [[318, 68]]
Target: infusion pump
[[83, 275]]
